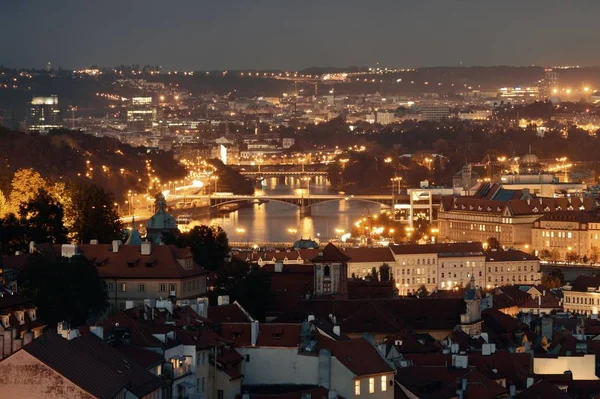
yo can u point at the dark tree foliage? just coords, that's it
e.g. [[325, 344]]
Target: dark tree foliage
[[230, 180], [493, 243], [422, 292], [558, 274], [39, 220], [384, 272], [12, 234], [42, 218], [65, 289], [95, 215], [248, 284], [209, 244]]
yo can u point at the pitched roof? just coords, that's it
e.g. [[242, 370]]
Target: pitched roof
[[279, 335], [284, 392], [582, 282], [128, 262], [365, 254], [449, 249], [357, 355], [92, 365], [330, 253], [508, 255], [542, 389], [231, 313]]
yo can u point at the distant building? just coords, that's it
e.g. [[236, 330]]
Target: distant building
[[44, 114], [511, 267], [475, 115], [550, 82], [385, 118], [141, 115], [433, 112], [519, 94]]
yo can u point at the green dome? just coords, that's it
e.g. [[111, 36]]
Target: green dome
[[161, 219], [305, 244]]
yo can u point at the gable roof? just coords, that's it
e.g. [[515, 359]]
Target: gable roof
[[357, 355], [330, 253], [92, 365], [128, 262], [444, 249]]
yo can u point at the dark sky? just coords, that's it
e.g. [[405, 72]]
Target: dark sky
[[293, 34]]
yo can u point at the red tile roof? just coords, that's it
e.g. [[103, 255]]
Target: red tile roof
[[279, 335], [357, 355], [581, 283], [128, 262], [364, 254], [460, 248], [231, 313], [92, 365], [330, 253]]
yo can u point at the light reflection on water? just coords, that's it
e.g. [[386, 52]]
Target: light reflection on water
[[269, 222]]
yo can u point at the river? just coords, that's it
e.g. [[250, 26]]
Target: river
[[270, 222]]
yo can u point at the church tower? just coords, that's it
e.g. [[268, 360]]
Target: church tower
[[331, 272]]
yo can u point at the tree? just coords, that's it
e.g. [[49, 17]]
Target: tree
[[246, 283], [95, 216], [384, 272], [209, 244], [572, 257], [550, 281], [25, 185], [594, 254], [3, 205], [12, 234], [65, 289], [493, 243], [42, 218], [374, 275], [422, 292], [554, 255], [557, 273], [545, 254]]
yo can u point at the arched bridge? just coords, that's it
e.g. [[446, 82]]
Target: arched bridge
[[304, 202]]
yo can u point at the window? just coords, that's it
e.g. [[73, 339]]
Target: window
[[172, 288], [220, 394], [123, 287], [357, 387], [141, 287], [383, 383], [162, 287], [371, 385], [202, 385], [326, 271], [110, 287]]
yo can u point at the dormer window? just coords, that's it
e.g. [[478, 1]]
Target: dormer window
[[5, 321], [535, 210], [20, 315], [32, 314]]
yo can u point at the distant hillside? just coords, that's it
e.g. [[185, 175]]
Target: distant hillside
[[68, 155]]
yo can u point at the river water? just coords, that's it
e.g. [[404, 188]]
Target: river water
[[270, 222]]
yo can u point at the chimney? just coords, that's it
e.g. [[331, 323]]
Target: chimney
[[278, 267], [116, 244], [337, 331], [254, 332], [94, 242], [311, 317], [32, 247], [64, 330], [98, 331], [529, 381], [223, 300], [146, 248], [69, 250]]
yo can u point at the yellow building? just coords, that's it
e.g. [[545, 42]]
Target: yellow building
[[567, 231]]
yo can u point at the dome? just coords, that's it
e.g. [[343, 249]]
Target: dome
[[305, 244], [529, 159], [161, 219]]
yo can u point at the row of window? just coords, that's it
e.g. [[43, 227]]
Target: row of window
[[383, 386], [518, 278], [582, 300], [559, 234], [141, 287], [430, 280], [531, 268]]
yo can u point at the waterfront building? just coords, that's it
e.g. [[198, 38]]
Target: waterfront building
[[582, 296], [511, 267]]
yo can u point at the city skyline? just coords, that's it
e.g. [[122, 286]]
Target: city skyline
[[269, 35]]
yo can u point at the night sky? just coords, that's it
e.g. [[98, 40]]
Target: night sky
[[294, 34]]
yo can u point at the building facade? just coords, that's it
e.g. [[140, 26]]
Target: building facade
[[44, 114], [567, 231]]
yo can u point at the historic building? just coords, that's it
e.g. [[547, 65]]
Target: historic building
[[507, 215], [511, 267], [564, 231], [582, 296]]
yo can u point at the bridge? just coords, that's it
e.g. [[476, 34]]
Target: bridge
[[304, 202], [282, 173]]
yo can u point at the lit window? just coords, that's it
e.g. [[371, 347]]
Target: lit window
[[383, 383], [123, 287], [141, 287], [357, 387], [371, 385]]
